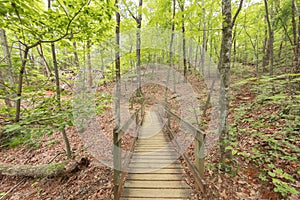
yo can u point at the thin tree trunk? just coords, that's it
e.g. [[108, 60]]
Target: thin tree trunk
[[181, 5], [253, 46], [296, 36], [3, 88], [20, 85], [196, 56], [66, 140], [7, 56], [45, 63], [89, 62], [294, 25], [271, 38], [204, 37], [297, 70], [234, 48], [65, 137], [116, 142], [171, 50], [265, 51], [8, 70], [210, 50], [257, 54], [76, 54], [138, 48], [280, 50], [102, 61]]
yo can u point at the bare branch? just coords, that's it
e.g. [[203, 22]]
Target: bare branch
[[63, 8], [61, 37], [237, 13], [132, 15], [19, 17]]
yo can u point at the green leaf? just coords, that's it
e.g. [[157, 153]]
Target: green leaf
[[12, 128], [278, 171], [234, 152], [272, 174]]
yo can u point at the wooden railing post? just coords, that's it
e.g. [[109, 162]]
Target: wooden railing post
[[199, 154], [117, 161]]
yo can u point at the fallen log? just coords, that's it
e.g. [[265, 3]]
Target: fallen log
[[46, 170]]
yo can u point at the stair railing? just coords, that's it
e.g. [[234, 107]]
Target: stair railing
[[120, 167]]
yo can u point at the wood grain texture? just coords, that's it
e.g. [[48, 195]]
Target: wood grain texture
[[154, 170]]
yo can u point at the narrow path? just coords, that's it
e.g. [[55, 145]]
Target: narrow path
[[154, 170]]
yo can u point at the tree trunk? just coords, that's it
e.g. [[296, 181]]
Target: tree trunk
[[181, 5], [48, 72], [271, 38], [296, 36], [7, 56], [138, 48], [117, 143], [294, 26], [224, 69], [171, 51], [8, 73], [66, 140], [20, 85], [297, 68], [3, 88], [204, 38], [89, 63], [76, 55], [265, 51], [118, 68]]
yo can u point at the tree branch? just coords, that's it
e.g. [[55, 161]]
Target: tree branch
[[285, 30], [237, 13], [19, 17], [132, 15], [63, 8], [61, 37]]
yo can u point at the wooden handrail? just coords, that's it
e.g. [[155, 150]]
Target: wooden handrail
[[118, 133], [197, 133], [198, 178], [198, 168], [126, 125]]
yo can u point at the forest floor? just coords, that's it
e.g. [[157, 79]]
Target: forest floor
[[95, 180]]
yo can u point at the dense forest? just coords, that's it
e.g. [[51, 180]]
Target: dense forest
[[229, 68]]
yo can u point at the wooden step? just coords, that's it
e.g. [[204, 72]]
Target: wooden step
[[156, 193], [155, 176], [168, 171], [155, 171], [156, 184]]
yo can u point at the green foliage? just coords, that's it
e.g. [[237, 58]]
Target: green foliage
[[273, 126], [43, 118], [103, 101], [2, 194]]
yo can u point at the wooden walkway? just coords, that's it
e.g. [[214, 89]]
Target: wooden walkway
[[154, 170]]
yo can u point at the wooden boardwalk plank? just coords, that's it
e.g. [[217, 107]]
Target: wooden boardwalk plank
[[161, 193], [156, 177], [154, 165], [166, 171], [154, 171], [156, 184]]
